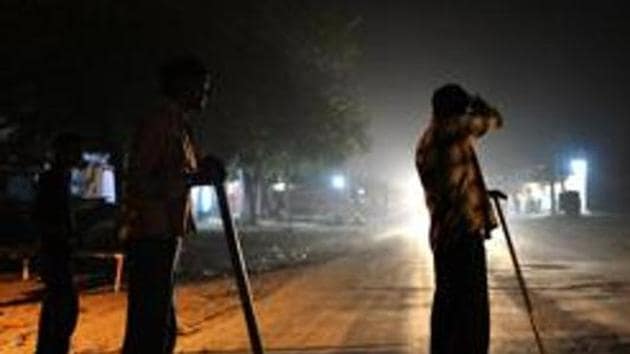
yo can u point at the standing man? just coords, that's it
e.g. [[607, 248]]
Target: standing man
[[156, 209], [54, 219], [461, 219]]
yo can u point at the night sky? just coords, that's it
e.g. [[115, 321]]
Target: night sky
[[557, 70]]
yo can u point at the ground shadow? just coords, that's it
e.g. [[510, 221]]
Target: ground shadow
[[579, 334]]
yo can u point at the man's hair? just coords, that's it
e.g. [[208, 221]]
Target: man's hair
[[181, 75], [450, 101]]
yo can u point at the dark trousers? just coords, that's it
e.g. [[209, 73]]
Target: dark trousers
[[460, 318], [151, 323], [60, 306]]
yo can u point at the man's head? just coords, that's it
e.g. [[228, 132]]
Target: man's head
[[67, 149], [186, 81], [450, 101]]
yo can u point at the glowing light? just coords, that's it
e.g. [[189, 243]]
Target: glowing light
[[109, 186], [206, 199], [579, 167], [415, 208], [202, 198], [338, 182], [361, 191], [578, 180], [232, 187], [279, 187], [536, 190], [536, 197]]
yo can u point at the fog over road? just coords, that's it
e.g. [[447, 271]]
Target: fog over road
[[374, 296]]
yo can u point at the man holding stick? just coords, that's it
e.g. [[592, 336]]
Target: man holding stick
[[163, 164], [461, 219]]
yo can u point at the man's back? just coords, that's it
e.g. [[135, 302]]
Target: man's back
[[156, 200], [52, 207], [454, 191]]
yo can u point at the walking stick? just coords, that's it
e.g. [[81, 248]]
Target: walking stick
[[496, 196], [240, 270]]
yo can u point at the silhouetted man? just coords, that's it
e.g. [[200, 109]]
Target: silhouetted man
[[58, 316], [157, 213], [461, 219]]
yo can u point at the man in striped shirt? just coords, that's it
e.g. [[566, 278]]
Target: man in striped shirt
[[461, 218]]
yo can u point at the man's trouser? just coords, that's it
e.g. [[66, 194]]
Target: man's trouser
[[60, 306], [460, 319], [151, 322]]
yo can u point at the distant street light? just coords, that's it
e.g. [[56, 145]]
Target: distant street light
[[579, 167], [578, 181], [279, 187], [338, 182]]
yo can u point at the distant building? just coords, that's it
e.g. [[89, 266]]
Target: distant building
[[96, 180], [537, 192]]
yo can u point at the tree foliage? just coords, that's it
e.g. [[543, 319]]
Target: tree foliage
[[281, 71]]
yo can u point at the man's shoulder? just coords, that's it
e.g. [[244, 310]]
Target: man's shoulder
[[435, 148], [426, 142], [161, 117]]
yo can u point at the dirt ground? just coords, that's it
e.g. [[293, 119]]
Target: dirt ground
[[371, 292]]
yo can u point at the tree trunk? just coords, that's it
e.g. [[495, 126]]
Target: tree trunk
[[265, 199], [250, 197], [288, 198], [253, 191], [259, 191]]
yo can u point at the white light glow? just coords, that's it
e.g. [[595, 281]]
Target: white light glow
[[206, 199], [578, 180], [415, 207], [579, 167], [109, 186], [536, 197], [279, 187], [338, 182], [202, 198]]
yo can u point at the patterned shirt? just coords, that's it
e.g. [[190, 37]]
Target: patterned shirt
[[156, 202], [449, 171]]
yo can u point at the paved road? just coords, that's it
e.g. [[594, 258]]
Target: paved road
[[375, 298]]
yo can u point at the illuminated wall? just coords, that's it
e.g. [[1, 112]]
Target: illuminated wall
[[535, 197]]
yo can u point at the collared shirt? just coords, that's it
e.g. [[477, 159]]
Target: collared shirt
[[449, 171], [156, 203]]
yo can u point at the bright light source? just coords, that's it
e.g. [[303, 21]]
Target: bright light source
[[279, 187], [579, 167], [415, 207], [536, 197], [578, 180], [108, 186], [361, 191], [205, 199], [201, 197], [233, 187], [338, 182]]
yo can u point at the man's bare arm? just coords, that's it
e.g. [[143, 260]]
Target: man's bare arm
[[481, 118]]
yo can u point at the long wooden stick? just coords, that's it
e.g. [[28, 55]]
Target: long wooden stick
[[240, 271], [517, 269]]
